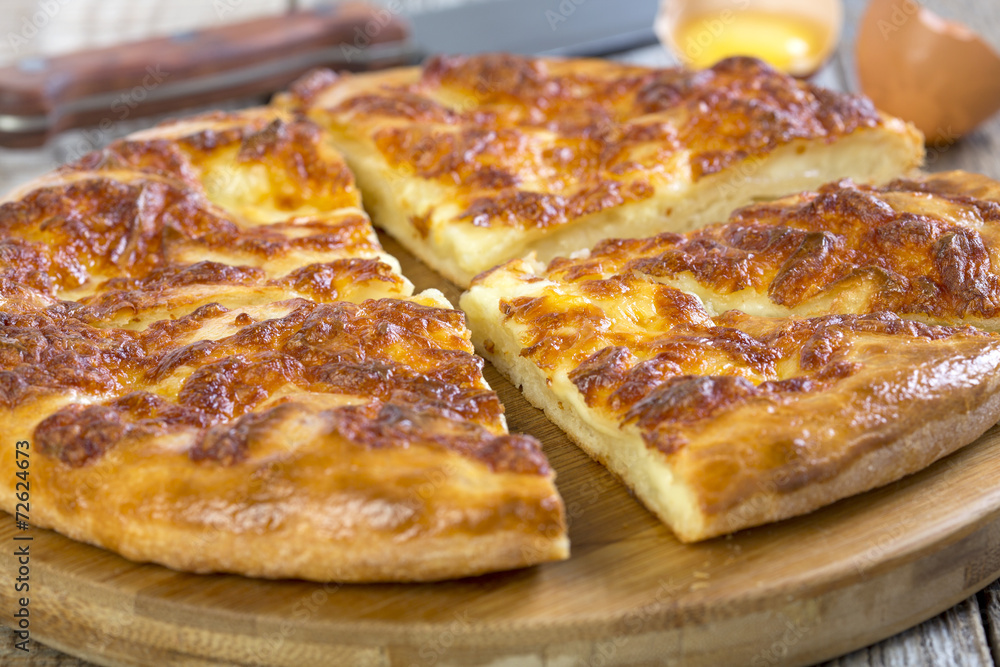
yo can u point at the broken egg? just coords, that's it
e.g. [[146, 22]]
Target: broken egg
[[793, 36], [937, 74]]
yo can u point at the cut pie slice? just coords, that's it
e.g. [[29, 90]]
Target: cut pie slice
[[217, 368], [723, 422], [925, 248], [471, 161]]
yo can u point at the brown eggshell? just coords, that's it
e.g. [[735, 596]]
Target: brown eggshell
[[938, 74]]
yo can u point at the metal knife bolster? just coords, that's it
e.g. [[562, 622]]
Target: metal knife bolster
[[40, 97]]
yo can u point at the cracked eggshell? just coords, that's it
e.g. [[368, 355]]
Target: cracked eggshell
[[937, 74]]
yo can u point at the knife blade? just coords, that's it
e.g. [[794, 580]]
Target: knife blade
[[569, 28]]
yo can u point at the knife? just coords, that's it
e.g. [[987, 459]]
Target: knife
[[40, 97]]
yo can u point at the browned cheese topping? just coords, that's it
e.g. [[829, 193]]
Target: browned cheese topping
[[533, 143], [212, 288], [646, 354], [925, 246]]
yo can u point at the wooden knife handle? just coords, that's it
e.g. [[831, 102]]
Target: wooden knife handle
[[39, 97]]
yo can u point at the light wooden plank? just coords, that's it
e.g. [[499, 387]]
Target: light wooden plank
[[989, 600]]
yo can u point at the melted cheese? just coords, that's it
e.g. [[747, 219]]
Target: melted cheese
[[471, 161], [718, 419], [924, 248], [202, 336]]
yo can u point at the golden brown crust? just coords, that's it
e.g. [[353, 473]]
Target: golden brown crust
[[737, 109], [201, 319], [387, 352], [727, 421], [498, 146], [660, 376], [921, 247]]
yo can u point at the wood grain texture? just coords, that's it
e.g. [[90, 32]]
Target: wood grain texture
[[989, 600]]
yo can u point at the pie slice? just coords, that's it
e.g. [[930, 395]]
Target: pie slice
[[474, 160], [721, 422], [925, 248], [217, 368]]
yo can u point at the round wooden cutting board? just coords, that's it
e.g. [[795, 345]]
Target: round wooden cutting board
[[795, 592]]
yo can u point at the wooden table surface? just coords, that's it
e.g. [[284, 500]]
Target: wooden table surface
[[967, 634]]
